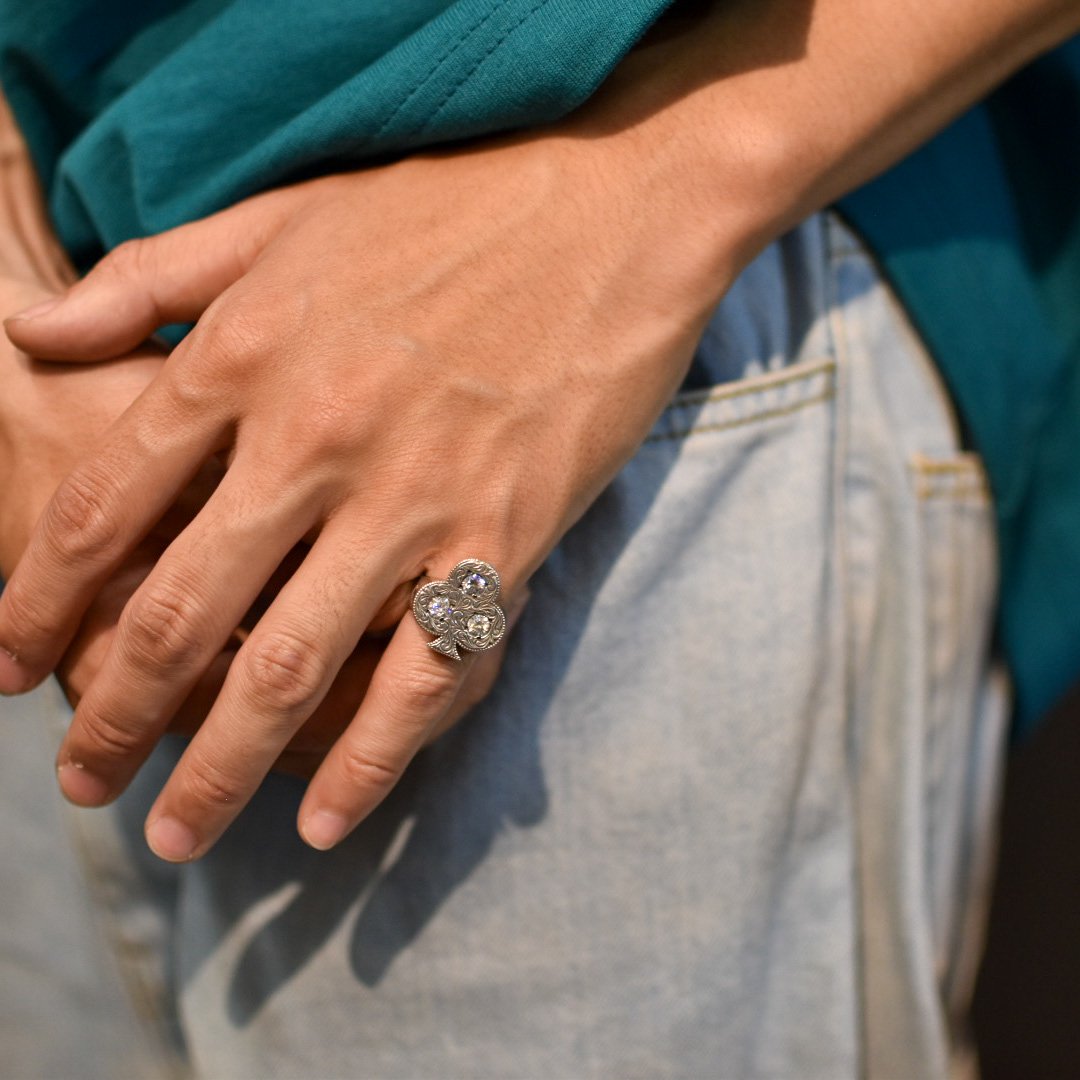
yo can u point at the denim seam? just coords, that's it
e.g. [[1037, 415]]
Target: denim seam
[[754, 385], [132, 973], [839, 245], [933, 466], [742, 421], [977, 496]]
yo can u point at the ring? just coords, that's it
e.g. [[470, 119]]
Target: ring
[[461, 611]]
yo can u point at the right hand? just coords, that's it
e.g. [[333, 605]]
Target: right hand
[[51, 414]]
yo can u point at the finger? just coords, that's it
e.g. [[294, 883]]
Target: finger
[[196, 706], [276, 681], [172, 628], [485, 670], [89, 647], [146, 284], [96, 517], [309, 746], [411, 690]]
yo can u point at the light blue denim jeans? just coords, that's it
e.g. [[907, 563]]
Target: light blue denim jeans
[[730, 809]]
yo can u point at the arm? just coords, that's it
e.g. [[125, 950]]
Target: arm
[[541, 292], [773, 109]]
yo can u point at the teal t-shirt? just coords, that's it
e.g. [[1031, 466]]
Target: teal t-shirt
[[143, 115]]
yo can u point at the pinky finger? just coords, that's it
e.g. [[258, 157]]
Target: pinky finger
[[412, 689]]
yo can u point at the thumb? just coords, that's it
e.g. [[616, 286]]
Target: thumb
[[143, 285]]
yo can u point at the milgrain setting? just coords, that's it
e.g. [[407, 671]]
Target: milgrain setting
[[461, 611]]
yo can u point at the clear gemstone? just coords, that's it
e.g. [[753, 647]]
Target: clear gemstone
[[474, 583], [440, 607], [478, 625]]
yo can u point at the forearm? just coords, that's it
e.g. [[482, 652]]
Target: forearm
[[744, 116], [29, 249]]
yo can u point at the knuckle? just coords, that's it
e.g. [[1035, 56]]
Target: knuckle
[[28, 617], [210, 785], [81, 520], [332, 419], [364, 769], [160, 626], [106, 737], [127, 260], [229, 338], [190, 386], [285, 672], [426, 689]]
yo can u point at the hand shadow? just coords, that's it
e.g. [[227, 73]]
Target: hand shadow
[[262, 904]]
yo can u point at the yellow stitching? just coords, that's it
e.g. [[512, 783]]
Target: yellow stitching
[[757, 384], [933, 466], [965, 487], [741, 421], [949, 489], [980, 496], [957, 479]]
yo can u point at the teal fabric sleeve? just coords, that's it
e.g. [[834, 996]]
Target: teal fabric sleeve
[[143, 114]]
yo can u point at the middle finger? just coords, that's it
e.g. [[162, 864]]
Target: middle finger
[[171, 629]]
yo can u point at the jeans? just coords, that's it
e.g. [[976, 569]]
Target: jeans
[[730, 809]]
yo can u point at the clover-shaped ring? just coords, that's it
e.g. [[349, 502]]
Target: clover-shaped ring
[[461, 611]]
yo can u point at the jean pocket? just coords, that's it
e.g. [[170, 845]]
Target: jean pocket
[[752, 400]]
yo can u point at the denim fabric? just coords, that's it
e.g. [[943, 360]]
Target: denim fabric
[[729, 811], [65, 1013]]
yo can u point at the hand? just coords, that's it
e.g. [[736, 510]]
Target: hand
[[52, 414], [445, 357]]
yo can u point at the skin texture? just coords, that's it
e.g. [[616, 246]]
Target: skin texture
[[445, 357], [52, 414]]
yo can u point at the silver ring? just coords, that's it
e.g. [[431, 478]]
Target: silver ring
[[461, 611]]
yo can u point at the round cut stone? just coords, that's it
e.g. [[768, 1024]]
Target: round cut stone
[[440, 607], [477, 626], [474, 583]]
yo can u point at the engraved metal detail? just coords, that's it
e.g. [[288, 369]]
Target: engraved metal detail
[[461, 611]]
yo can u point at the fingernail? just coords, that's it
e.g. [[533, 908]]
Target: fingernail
[[324, 829], [80, 786], [171, 840], [35, 310], [12, 675]]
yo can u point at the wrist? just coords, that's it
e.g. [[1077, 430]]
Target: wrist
[[29, 248], [741, 119]]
